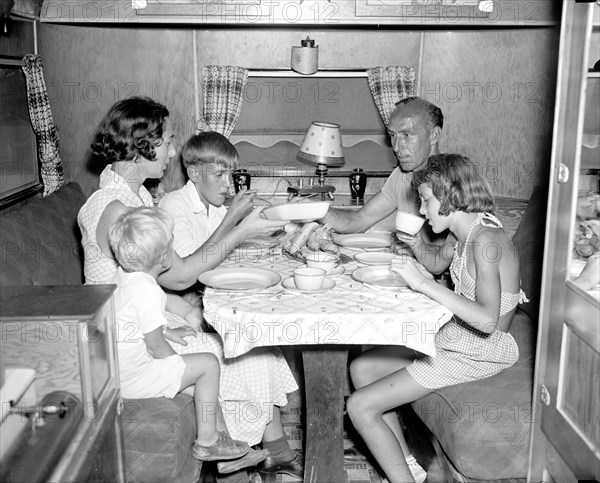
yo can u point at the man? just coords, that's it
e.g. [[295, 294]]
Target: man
[[415, 128]]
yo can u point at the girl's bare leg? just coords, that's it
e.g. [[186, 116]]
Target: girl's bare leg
[[203, 371], [383, 384]]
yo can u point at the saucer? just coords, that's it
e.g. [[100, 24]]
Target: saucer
[[289, 284]]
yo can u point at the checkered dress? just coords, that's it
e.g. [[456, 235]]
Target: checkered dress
[[465, 354], [250, 384]]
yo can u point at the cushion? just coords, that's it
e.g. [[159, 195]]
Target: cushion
[[529, 241], [41, 242], [483, 426], [159, 433]]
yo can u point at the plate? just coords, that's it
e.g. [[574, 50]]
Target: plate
[[289, 284], [239, 279], [256, 246], [299, 211], [378, 276], [374, 258], [364, 240]]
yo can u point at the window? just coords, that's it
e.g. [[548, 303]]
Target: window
[[279, 106], [19, 176]]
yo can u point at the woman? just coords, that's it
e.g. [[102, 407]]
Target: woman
[[135, 141]]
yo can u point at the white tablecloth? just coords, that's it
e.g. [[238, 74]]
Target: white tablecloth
[[349, 313]]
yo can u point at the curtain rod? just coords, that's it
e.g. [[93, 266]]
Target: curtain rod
[[321, 73]]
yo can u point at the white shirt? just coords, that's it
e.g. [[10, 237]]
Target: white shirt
[[139, 309], [193, 222]]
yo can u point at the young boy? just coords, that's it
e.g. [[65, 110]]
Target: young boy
[[201, 218], [142, 241]]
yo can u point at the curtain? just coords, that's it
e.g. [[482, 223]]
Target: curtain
[[390, 85], [51, 169], [223, 86]]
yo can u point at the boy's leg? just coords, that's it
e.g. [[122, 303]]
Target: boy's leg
[[281, 458], [203, 371]]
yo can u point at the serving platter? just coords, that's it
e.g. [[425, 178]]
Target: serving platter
[[239, 279], [371, 241], [298, 212]]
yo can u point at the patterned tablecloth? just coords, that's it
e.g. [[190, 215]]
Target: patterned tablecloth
[[350, 313]]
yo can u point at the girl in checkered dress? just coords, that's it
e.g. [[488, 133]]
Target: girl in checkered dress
[[476, 343]]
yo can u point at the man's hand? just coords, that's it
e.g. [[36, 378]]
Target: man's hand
[[177, 335]]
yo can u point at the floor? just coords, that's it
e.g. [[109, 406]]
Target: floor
[[356, 471]]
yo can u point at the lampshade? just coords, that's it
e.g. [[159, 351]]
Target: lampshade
[[486, 5], [322, 145]]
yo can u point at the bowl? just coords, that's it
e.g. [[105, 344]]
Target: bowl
[[307, 278], [408, 223], [326, 261], [299, 211]]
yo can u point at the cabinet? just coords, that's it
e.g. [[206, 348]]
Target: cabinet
[[64, 333], [306, 12], [566, 434]]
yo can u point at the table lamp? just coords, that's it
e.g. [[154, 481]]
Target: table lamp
[[322, 146]]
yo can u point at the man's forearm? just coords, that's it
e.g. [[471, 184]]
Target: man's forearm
[[345, 221]]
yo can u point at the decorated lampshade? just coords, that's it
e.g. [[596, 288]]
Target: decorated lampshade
[[322, 145]]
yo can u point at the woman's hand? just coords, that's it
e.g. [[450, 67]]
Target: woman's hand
[[408, 270], [194, 317], [254, 224], [177, 335]]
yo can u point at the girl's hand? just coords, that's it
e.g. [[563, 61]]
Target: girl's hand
[[177, 335], [407, 269], [412, 241]]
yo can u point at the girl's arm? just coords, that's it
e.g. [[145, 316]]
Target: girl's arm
[[156, 344], [481, 314], [435, 255]]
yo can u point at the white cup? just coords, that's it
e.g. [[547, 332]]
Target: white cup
[[408, 223], [326, 261], [307, 278]]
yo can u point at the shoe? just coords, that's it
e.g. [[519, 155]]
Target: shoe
[[237, 477], [419, 474], [224, 448], [252, 458], [352, 454], [292, 468]]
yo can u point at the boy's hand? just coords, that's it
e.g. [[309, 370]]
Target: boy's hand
[[241, 204], [177, 335]]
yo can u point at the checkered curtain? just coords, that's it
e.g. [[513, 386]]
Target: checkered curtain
[[390, 85], [40, 114], [223, 86]]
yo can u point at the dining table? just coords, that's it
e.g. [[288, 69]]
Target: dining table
[[348, 310]]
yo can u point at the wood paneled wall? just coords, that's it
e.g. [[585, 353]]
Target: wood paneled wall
[[87, 69], [496, 87]]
